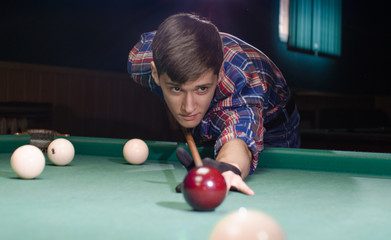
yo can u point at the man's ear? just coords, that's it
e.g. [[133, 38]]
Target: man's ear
[[221, 73], [155, 75]]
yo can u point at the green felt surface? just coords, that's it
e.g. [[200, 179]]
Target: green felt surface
[[100, 196]]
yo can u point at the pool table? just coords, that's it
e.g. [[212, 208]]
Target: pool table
[[313, 194]]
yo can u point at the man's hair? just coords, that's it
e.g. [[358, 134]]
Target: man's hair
[[186, 46]]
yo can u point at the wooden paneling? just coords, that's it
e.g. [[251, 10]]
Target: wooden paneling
[[86, 102]]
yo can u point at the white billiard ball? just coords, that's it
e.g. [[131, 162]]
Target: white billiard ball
[[247, 224], [135, 151], [61, 151], [28, 161]]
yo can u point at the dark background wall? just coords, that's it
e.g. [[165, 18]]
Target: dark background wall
[[73, 55], [98, 35]]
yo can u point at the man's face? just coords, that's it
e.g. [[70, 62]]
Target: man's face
[[188, 102]]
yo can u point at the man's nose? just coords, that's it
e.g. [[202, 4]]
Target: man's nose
[[189, 105]]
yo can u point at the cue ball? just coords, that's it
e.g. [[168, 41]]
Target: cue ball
[[61, 152], [204, 188], [135, 151], [28, 161], [247, 224]]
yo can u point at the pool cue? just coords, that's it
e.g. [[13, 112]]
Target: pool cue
[[193, 148]]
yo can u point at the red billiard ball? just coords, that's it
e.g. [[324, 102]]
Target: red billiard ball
[[204, 188]]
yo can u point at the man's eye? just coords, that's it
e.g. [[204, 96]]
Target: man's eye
[[175, 89], [202, 89]]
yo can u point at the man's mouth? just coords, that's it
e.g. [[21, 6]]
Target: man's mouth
[[189, 117]]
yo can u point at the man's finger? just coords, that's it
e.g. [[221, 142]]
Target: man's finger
[[235, 182]]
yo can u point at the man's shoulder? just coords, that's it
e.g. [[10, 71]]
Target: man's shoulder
[[230, 40], [147, 36], [234, 46]]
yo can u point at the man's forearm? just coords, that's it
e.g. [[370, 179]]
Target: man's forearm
[[236, 152]]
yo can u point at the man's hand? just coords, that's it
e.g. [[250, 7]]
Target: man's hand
[[231, 174], [235, 182]]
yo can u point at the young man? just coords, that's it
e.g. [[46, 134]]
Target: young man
[[222, 88]]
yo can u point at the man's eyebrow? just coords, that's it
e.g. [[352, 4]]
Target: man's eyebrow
[[204, 85], [173, 84]]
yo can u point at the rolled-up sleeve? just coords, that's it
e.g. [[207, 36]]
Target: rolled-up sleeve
[[245, 124]]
